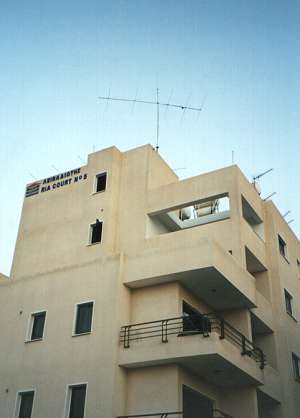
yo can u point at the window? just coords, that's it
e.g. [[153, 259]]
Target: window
[[296, 366], [288, 302], [84, 315], [76, 401], [36, 326], [25, 404], [193, 321], [101, 182], [282, 247], [298, 268], [96, 232]]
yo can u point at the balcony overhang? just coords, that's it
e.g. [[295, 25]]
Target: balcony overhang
[[201, 265], [217, 361]]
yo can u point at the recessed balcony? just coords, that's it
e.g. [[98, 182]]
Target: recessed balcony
[[205, 344]]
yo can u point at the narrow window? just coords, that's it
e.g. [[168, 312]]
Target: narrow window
[[38, 324], [96, 232], [25, 403], [84, 315], [298, 268], [77, 395], [296, 366], [282, 246], [101, 182], [288, 302]]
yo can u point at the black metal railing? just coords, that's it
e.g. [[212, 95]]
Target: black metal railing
[[216, 414], [220, 414], [191, 325], [159, 414]]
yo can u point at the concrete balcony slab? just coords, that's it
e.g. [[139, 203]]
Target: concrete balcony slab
[[217, 361], [201, 265]]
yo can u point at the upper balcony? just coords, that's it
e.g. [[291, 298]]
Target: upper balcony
[[199, 264], [206, 344]]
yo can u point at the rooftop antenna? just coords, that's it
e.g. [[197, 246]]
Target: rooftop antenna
[[270, 195], [158, 104], [262, 174], [286, 214], [255, 178], [53, 166], [292, 220]]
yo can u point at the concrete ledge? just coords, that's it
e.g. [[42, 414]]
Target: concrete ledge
[[219, 361], [201, 265]]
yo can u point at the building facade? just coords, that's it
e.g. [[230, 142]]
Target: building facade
[[134, 293]]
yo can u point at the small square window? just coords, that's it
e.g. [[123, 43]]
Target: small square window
[[282, 247], [96, 232], [25, 404], [76, 401], [37, 325], [288, 302], [84, 315], [101, 182], [296, 366]]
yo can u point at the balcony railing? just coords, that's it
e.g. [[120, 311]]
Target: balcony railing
[[159, 414], [191, 325], [216, 414]]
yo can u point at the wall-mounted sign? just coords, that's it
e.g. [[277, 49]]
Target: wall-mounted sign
[[55, 182]]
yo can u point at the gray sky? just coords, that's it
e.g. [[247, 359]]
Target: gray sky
[[239, 59]]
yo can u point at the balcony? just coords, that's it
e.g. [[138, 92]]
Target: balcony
[[216, 414], [206, 344], [199, 264]]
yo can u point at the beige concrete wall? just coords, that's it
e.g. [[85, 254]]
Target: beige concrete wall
[[153, 390]]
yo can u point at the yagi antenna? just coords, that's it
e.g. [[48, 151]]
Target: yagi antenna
[[262, 174], [158, 104], [286, 214], [292, 220]]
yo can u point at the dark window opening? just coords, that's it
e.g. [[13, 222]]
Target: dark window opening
[[282, 246], [26, 404], [193, 402], [84, 318], [298, 268], [96, 232], [77, 402], [296, 366], [193, 321], [101, 182], [38, 325], [288, 302]]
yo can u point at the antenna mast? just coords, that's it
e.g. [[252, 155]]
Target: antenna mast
[[157, 103]]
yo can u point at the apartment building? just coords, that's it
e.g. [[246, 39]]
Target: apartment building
[[133, 293]]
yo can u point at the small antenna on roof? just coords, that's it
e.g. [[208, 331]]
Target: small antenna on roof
[[286, 214], [32, 175], [270, 195], [289, 222], [81, 159], [53, 166], [255, 182], [262, 174]]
